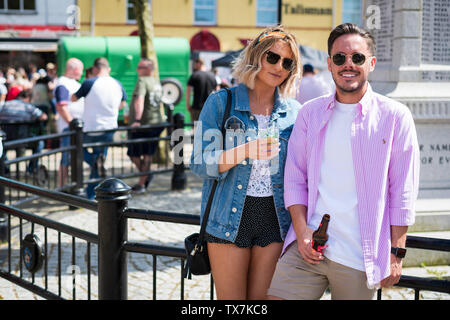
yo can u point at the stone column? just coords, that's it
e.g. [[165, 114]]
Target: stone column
[[413, 67]]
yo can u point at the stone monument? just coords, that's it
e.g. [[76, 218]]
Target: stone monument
[[413, 67]]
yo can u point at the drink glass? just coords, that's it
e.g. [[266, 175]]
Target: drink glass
[[271, 131]]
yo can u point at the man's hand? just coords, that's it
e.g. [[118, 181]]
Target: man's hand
[[396, 272], [304, 244]]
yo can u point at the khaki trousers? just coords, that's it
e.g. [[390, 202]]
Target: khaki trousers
[[296, 279]]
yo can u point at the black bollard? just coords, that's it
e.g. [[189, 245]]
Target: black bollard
[[3, 216], [76, 156], [112, 196], [179, 178]]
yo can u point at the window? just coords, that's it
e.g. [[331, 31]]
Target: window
[[17, 6], [131, 18], [352, 11], [205, 12], [266, 12]]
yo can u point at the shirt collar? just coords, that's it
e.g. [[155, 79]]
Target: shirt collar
[[364, 104]]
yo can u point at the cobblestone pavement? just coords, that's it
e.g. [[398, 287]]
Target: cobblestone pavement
[[140, 266]]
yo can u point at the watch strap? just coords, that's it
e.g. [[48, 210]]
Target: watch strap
[[398, 252]]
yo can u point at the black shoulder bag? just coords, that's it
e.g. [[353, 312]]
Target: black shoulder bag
[[197, 262]]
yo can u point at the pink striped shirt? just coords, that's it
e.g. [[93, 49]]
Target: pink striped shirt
[[386, 163]]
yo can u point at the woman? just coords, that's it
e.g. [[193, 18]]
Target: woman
[[248, 222]]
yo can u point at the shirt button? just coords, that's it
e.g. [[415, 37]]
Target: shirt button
[[227, 234], [234, 210], [244, 162], [248, 138], [240, 186], [252, 117]]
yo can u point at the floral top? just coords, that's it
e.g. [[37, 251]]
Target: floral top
[[260, 183]]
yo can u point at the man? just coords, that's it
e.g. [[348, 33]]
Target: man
[[312, 85], [202, 83], [21, 110], [103, 97], [66, 86], [353, 155], [145, 108]]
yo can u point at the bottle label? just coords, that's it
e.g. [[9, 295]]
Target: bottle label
[[318, 247]]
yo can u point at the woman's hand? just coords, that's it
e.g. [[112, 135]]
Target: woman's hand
[[262, 149], [259, 149]]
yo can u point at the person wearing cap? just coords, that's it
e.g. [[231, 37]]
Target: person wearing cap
[[312, 86]]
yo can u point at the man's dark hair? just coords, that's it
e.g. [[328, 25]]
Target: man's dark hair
[[101, 63], [24, 94], [350, 28], [199, 60]]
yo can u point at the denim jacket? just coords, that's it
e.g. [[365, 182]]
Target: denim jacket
[[228, 203]]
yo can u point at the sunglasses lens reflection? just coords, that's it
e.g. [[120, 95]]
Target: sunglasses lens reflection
[[273, 58], [339, 59], [357, 58]]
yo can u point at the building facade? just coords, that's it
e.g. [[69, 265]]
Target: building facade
[[30, 29], [222, 25]]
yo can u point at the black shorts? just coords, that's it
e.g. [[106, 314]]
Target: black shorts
[[259, 224], [145, 148]]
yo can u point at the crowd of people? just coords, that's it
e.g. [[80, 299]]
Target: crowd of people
[[39, 96]]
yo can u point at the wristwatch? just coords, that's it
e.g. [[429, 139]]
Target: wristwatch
[[399, 252]]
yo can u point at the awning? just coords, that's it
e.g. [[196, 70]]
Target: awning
[[27, 44]]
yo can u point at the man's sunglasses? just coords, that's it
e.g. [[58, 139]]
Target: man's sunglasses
[[273, 58], [357, 58]]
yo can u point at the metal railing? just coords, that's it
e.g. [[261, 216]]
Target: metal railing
[[46, 162], [113, 243], [111, 240]]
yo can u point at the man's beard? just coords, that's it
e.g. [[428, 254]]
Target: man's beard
[[349, 89]]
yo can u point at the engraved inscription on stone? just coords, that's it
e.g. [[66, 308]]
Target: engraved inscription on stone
[[385, 34], [434, 147], [436, 35]]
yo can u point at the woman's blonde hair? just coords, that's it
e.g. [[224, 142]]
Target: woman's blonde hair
[[248, 64]]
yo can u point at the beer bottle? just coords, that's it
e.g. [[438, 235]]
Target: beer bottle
[[320, 236]]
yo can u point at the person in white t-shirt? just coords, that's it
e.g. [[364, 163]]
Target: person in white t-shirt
[[103, 97], [66, 86]]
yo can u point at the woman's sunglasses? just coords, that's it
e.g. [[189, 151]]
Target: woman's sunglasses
[[273, 58], [357, 58]]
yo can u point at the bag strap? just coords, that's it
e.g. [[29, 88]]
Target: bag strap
[[214, 186]]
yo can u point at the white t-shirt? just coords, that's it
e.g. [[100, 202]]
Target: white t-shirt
[[64, 89], [337, 191], [102, 98]]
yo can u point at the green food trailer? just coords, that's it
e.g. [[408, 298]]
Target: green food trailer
[[123, 54]]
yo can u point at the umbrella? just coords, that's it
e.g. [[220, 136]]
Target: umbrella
[[227, 59], [316, 58]]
